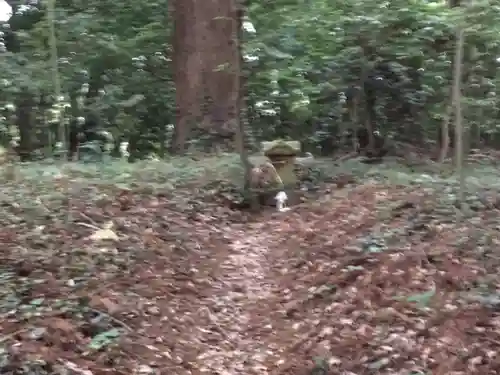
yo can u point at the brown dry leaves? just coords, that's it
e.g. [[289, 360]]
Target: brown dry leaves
[[201, 292]]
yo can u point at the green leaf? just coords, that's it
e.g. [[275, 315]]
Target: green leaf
[[103, 339], [422, 299], [37, 302], [277, 54]]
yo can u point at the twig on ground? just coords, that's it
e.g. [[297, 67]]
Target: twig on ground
[[10, 335], [117, 321], [88, 218], [87, 225]]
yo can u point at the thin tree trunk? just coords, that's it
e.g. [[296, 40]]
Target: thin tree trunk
[[243, 121], [459, 130], [445, 132]]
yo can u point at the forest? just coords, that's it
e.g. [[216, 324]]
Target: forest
[[310, 72], [249, 187]]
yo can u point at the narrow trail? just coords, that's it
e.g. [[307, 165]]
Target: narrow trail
[[245, 289], [248, 330]]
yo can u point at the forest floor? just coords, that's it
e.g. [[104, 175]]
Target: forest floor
[[121, 277]]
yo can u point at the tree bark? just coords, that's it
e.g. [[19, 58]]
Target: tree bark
[[25, 122], [207, 69], [459, 128], [187, 70]]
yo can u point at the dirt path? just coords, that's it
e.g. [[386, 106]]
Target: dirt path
[[201, 294], [292, 290], [236, 308], [211, 294], [251, 298], [240, 324]]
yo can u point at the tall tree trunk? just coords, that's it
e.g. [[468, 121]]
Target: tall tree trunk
[[187, 70], [242, 119], [206, 66], [444, 136], [459, 128], [222, 68]]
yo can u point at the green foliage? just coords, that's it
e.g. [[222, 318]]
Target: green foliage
[[165, 174], [301, 61], [321, 48], [119, 49], [104, 339]]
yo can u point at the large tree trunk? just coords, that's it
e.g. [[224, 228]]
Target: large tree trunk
[[207, 69], [222, 65], [187, 70]]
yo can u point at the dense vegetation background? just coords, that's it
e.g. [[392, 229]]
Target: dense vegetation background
[[310, 71]]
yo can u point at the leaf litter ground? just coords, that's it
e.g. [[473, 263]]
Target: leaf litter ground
[[368, 279]]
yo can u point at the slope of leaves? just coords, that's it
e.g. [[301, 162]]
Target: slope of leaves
[[398, 292], [373, 278], [86, 263]]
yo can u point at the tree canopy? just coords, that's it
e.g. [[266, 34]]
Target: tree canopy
[[304, 64]]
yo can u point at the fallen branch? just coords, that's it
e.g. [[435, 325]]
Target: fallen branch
[[117, 321], [350, 155], [11, 335]]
